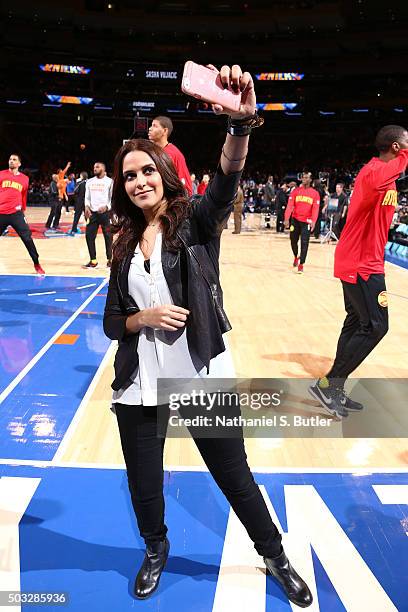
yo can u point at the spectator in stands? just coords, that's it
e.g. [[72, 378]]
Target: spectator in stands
[[323, 204], [71, 184], [194, 183], [281, 201], [341, 212], [260, 197], [250, 192], [238, 208], [203, 185], [270, 193]]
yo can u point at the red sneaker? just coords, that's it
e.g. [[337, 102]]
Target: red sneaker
[[296, 262], [39, 270], [300, 269]]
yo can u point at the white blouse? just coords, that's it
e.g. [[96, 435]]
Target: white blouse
[[162, 353]]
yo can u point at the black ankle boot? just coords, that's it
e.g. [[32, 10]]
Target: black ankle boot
[[293, 585], [149, 574]]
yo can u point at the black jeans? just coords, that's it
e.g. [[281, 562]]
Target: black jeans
[[226, 460], [20, 225], [300, 229], [99, 219], [365, 325]]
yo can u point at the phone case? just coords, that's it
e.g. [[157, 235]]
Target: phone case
[[205, 84]]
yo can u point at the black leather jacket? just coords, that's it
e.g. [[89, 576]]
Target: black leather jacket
[[192, 275]]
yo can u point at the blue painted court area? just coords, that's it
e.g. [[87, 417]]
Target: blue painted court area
[[78, 535], [36, 413], [397, 260]]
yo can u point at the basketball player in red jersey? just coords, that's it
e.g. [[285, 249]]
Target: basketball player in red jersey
[[359, 264], [159, 133], [13, 201], [303, 207]]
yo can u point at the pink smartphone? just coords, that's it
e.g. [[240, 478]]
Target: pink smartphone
[[205, 84]]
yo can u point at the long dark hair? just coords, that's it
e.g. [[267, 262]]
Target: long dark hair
[[128, 221]]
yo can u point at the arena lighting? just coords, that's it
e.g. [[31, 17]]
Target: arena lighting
[[293, 114], [327, 112], [279, 76], [69, 99], [52, 105], [16, 101], [398, 110], [276, 106], [360, 110], [103, 107], [64, 69]]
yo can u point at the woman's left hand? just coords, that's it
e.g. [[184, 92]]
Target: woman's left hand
[[239, 81]]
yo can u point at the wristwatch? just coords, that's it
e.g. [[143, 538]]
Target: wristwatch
[[243, 127]]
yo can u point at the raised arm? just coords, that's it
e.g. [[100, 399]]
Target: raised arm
[[385, 176], [216, 204], [240, 123], [65, 170]]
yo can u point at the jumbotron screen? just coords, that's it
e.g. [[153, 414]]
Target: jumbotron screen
[[68, 99], [279, 76], [65, 69], [276, 106]]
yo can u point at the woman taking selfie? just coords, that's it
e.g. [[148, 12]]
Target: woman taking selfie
[[169, 324]]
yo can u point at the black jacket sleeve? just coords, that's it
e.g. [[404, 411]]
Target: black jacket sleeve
[[216, 205], [114, 319]]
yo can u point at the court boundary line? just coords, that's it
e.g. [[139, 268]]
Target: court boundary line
[[13, 384], [62, 447], [360, 471]]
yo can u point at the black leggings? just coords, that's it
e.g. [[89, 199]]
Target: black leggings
[[302, 229], [98, 219], [365, 325], [224, 457], [20, 225]]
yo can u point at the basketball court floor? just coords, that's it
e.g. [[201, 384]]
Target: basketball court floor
[[66, 523]]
